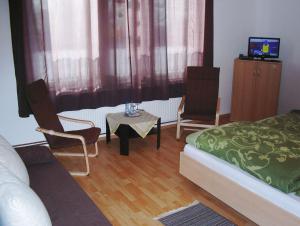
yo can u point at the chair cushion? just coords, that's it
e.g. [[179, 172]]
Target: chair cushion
[[202, 87], [207, 119], [19, 205], [12, 161], [90, 135], [34, 155], [42, 107]]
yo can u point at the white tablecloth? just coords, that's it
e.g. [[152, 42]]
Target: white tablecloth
[[141, 124]]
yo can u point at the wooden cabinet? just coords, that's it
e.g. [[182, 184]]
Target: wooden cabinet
[[255, 89]]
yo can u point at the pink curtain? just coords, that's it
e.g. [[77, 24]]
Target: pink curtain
[[102, 53]]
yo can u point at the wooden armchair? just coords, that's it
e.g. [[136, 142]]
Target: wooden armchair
[[49, 124], [200, 106]]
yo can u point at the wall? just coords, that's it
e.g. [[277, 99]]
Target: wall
[[22, 130], [15, 129], [235, 20], [233, 24], [282, 20]]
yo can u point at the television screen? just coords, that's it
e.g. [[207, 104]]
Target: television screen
[[263, 47]]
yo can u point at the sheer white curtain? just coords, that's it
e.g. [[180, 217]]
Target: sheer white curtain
[[74, 45], [145, 38], [185, 35], [97, 53]]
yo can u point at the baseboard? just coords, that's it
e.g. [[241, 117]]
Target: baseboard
[[43, 142], [224, 118]]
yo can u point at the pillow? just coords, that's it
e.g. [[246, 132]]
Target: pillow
[[19, 205], [11, 160], [32, 155]]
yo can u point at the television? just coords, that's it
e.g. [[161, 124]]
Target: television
[[259, 47]]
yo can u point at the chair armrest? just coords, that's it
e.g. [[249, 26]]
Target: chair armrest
[[76, 120], [181, 105], [59, 134]]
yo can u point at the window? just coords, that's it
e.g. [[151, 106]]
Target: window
[[96, 53]]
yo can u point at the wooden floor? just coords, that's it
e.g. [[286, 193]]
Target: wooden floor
[[131, 190]]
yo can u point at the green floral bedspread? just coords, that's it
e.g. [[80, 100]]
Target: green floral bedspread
[[268, 149]]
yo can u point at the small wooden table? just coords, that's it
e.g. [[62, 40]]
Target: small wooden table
[[127, 127]]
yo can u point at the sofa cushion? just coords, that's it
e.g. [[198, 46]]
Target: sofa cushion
[[19, 205], [66, 202], [6, 176], [11, 160], [31, 156]]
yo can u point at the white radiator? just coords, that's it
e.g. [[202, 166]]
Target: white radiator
[[166, 109]]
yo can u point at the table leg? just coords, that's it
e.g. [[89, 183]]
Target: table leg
[[107, 132], [124, 139], [158, 133]]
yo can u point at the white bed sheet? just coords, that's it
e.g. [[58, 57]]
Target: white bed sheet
[[288, 202]]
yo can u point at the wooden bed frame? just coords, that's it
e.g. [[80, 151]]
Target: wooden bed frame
[[256, 208]]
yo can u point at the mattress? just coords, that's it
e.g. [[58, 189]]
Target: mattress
[[288, 202], [268, 149]]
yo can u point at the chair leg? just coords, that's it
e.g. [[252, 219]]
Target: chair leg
[[85, 155], [96, 151], [217, 121], [87, 164], [178, 127]]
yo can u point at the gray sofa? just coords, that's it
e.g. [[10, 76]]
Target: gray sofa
[[66, 203]]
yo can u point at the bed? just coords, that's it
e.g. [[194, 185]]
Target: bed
[[239, 188]]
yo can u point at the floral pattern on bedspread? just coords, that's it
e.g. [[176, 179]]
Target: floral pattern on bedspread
[[268, 149]]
